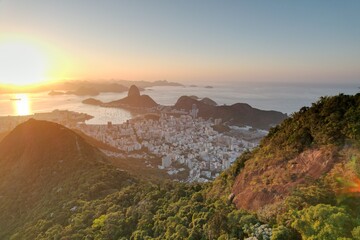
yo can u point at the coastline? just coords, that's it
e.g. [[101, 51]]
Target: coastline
[[283, 98]]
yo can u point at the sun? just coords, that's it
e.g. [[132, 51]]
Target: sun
[[21, 63]]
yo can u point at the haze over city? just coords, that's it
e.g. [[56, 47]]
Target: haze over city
[[186, 41]]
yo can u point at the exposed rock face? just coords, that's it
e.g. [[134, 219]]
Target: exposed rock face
[[311, 147], [134, 91], [133, 100], [255, 188]]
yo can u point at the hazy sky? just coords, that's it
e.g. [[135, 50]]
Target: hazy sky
[[192, 40]]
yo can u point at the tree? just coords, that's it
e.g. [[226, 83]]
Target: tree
[[283, 233], [356, 233], [322, 222]]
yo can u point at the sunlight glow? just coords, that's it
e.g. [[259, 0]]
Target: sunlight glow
[[21, 104], [350, 186], [21, 63], [354, 187]]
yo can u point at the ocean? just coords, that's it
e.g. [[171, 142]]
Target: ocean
[[286, 98]]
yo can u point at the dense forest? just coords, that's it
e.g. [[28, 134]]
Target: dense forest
[[302, 182]]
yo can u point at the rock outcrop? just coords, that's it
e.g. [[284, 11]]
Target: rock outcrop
[[133, 100]]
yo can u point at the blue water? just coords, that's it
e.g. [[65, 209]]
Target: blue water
[[286, 98]]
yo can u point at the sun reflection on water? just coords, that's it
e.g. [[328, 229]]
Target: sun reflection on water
[[22, 104]]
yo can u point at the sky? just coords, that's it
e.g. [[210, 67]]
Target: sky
[[190, 40]]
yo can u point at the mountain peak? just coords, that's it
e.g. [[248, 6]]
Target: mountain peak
[[133, 100], [44, 164], [36, 145], [134, 91]]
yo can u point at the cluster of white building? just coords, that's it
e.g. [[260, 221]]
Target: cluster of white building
[[181, 142]]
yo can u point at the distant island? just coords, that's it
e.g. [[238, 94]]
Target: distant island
[[82, 91], [86, 88], [147, 84], [134, 100], [115, 86], [194, 86], [92, 101], [56, 93]]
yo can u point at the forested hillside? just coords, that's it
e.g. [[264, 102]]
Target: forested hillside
[[302, 182], [305, 174]]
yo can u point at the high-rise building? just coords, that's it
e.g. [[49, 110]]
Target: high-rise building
[[166, 161], [194, 111]]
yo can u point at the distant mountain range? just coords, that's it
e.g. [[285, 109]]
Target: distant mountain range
[[85, 88], [91, 89]]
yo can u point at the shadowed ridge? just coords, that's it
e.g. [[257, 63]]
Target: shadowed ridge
[[35, 144], [44, 165]]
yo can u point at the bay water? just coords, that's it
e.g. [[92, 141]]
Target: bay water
[[286, 98]]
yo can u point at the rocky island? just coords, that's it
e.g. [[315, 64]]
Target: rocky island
[[134, 100]]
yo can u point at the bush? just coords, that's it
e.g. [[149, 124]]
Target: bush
[[322, 222]]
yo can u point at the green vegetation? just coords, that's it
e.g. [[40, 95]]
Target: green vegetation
[[323, 222], [331, 120], [98, 201], [146, 211], [324, 202]]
